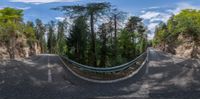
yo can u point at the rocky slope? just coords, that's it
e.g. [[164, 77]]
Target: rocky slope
[[22, 49], [183, 46]]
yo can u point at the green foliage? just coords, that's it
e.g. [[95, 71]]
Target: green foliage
[[51, 37], [10, 23], [61, 39], [103, 38], [90, 11], [84, 10], [78, 39], [10, 20], [11, 14], [40, 30], [126, 44], [29, 31], [186, 22], [12, 27], [103, 49], [84, 43]]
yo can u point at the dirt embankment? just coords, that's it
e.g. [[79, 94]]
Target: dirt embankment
[[183, 46], [23, 49]]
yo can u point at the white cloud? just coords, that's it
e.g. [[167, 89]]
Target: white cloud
[[155, 7], [156, 19], [143, 11], [149, 15], [23, 8], [152, 8], [162, 17], [153, 16], [181, 6], [60, 18], [42, 1], [152, 26], [150, 36]]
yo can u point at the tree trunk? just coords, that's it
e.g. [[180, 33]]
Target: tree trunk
[[115, 22], [103, 55], [12, 46], [110, 30], [77, 53], [93, 36], [103, 50], [164, 47], [115, 35], [41, 46]]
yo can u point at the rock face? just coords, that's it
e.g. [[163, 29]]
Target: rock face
[[3, 51], [185, 50], [184, 46], [22, 49]]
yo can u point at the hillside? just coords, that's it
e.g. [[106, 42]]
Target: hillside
[[185, 47], [22, 49], [181, 34], [19, 39]]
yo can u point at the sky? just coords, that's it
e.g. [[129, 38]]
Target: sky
[[151, 11]]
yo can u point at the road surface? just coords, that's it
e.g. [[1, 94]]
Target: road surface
[[45, 77]]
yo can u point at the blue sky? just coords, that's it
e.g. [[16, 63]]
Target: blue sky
[[152, 11]]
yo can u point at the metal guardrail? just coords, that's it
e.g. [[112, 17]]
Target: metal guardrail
[[107, 69]]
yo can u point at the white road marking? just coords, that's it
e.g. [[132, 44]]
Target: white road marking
[[2, 82], [49, 71]]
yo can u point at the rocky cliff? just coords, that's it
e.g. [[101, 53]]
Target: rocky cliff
[[183, 46], [23, 49]]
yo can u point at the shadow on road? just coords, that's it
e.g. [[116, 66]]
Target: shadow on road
[[164, 76], [29, 79], [26, 79], [95, 90], [171, 77]]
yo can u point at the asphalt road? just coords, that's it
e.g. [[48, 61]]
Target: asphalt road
[[45, 77]]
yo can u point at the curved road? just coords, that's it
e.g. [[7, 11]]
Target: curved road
[[45, 77]]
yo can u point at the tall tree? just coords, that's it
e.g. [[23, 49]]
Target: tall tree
[[132, 27], [51, 37], [29, 32], [61, 38], [78, 38], [40, 34], [161, 34], [142, 37], [91, 10], [10, 20], [94, 10], [103, 31], [117, 16], [126, 45]]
